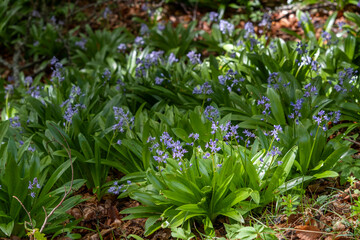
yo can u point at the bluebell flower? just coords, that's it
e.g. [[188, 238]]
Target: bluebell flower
[[158, 80], [214, 127], [144, 29], [301, 48], [106, 12], [266, 21], [195, 136], [28, 81], [206, 156], [15, 122], [226, 27], [139, 41], [275, 132], [172, 58], [57, 68], [81, 44], [249, 29], [326, 37], [119, 142], [265, 102], [211, 113], [212, 145], [213, 16], [203, 89], [123, 118], [161, 27], [122, 47], [193, 57], [274, 151]]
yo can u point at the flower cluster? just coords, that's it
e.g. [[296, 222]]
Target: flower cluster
[[172, 58], [117, 189], [226, 27], [122, 47], [266, 21], [310, 90], [275, 132], [301, 48], [213, 16], [212, 145], [230, 76], [274, 80], [211, 113], [28, 81], [57, 68], [346, 77], [308, 61], [324, 118], [151, 59], [15, 122], [296, 111], [265, 103], [194, 58], [31, 186], [203, 89], [72, 108], [123, 119], [139, 41], [249, 29], [81, 43], [275, 151]]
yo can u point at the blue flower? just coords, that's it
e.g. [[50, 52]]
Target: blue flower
[[211, 113], [193, 57], [213, 16], [226, 27], [122, 47]]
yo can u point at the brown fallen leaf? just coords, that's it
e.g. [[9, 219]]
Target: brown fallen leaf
[[308, 232]]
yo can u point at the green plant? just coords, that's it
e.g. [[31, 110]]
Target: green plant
[[290, 204], [236, 231]]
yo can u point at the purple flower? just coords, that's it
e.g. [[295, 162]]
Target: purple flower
[[226, 27], [161, 27], [212, 146], [57, 68], [81, 44], [15, 122], [106, 12], [139, 41], [123, 119], [275, 132], [119, 142], [203, 89], [211, 113], [158, 80], [249, 29], [195, 136], [144, 29], [193, 57], [326, 37], [213, 16], [301, 48], [28, 81], [266, 21], [274, 151], [122, 47], [172, 58]]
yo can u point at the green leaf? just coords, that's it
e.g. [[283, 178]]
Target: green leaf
[[276, 106], [326, 174], [7, 228]]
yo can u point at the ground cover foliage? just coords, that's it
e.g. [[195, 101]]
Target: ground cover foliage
[[200, 127]]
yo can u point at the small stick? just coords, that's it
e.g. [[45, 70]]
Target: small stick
[[28, 213]]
